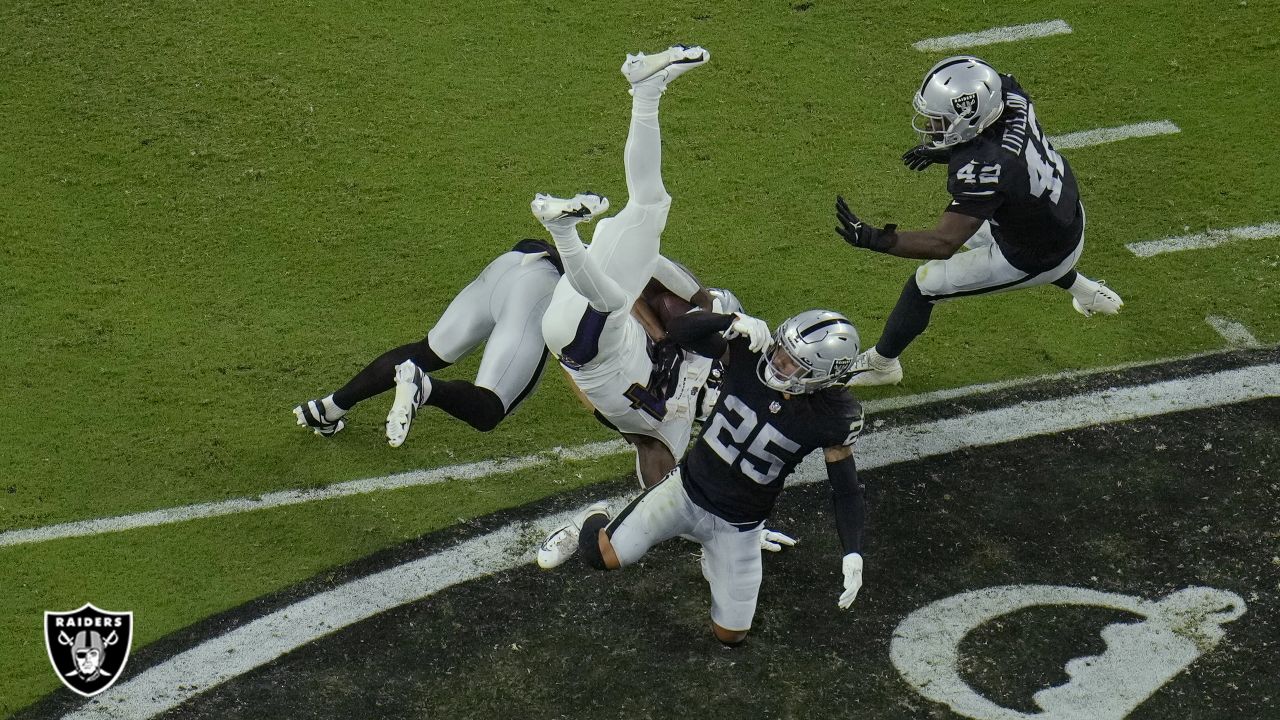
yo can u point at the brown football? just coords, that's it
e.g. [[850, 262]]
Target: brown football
[[667, 305]]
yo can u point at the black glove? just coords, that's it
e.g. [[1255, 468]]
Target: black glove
[[921, 156], [859, 234]]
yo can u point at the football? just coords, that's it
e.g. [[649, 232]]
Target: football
[[667, 305]]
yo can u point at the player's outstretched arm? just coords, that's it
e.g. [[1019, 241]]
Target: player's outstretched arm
[[850, 512], [939, 243]]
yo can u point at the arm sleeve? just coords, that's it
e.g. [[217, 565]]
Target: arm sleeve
[[848, 503], [588, 278], [700, 332], [676, 279]]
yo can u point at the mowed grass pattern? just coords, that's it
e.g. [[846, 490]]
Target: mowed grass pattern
[[213, 212]]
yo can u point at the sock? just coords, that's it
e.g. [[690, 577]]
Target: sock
[[477, 406], [331, 409], [1066, 281], [909, 318], [379, 376]]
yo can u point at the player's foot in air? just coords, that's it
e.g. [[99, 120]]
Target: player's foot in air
[[563, 543], [555, 212], [663, 66], [412, 389], [872, 368], [312, 414], [1094, 298]]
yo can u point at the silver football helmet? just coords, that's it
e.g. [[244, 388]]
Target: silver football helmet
[[959, 98], [810, 351], [724, 301]]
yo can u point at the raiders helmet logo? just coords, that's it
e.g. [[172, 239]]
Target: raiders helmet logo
[[965, 105], [840, 366], [88, 647]]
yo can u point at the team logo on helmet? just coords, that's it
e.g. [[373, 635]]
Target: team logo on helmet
[[88, 647], [965, 105], [840, 366]]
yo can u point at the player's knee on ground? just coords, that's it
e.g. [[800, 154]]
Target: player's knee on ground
[[729, 638], [589, 542]]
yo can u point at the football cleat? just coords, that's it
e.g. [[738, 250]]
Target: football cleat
[[311, 414], [1102, 300], [670, 63], [412, 388], [561, 212], [563, 543], [870, 368]]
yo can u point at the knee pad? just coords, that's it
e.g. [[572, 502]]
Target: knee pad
[[588, 542]]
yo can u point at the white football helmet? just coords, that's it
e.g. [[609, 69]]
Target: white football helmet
[[810, 351], [959, 98]]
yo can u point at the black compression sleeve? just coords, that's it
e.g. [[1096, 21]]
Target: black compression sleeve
[[848, 502], [700, 332]]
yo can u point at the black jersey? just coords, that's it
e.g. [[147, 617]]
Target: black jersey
[[756, 436], [1012, 176]]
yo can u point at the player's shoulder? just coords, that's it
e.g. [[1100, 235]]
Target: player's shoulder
[[979, 167], [841, 415]]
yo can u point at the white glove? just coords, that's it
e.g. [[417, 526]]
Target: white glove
[[852, 566], [773, 541], [753, 328]]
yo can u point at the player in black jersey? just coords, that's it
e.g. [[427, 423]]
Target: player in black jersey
[[502, 308], [775, 407], [1015, 206]]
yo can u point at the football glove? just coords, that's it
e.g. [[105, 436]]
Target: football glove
[[859, 234], [753, 328], [852, 567], [921, 156], [773, 541]]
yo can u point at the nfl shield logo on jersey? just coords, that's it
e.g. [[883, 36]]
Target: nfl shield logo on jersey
[[965, 105], [88, 647]]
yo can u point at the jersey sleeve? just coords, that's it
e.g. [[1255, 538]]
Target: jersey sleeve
[[978, 183], [847, 421]]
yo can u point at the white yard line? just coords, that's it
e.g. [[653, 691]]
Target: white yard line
[[1011, 33], [1208, 239], [417, 478], [222, 658], [1102, 136], [1234, 333]]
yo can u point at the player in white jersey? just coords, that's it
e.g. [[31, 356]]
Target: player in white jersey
[[650, 398]]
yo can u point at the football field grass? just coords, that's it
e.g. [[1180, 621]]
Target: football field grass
[[215, 211]]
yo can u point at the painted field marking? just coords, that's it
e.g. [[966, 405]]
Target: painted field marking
[[222, 658], [1208, 239], [1011, 33], [1234, 333], [431, 476], [1102, 136]]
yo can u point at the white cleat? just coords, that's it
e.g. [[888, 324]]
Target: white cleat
[[670, 63], [870, 368], [562, 212], [412, 388], [311, 414], [1102, 300], [563, 543]]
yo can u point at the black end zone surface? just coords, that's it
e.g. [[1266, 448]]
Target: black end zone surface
[[1142, 508]]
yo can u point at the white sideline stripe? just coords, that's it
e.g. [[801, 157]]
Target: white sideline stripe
[[995, 35], [1101, 136], [219, 659], [416, 478], [1233, 332], [470, 471], [1211, 238]]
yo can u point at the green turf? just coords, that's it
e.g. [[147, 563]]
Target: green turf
[[214, 211]]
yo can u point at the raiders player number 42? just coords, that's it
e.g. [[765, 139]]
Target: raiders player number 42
[[774, 409], [1014, 205]]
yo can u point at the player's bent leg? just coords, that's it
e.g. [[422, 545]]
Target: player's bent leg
[[594, 544], [477, 406]]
